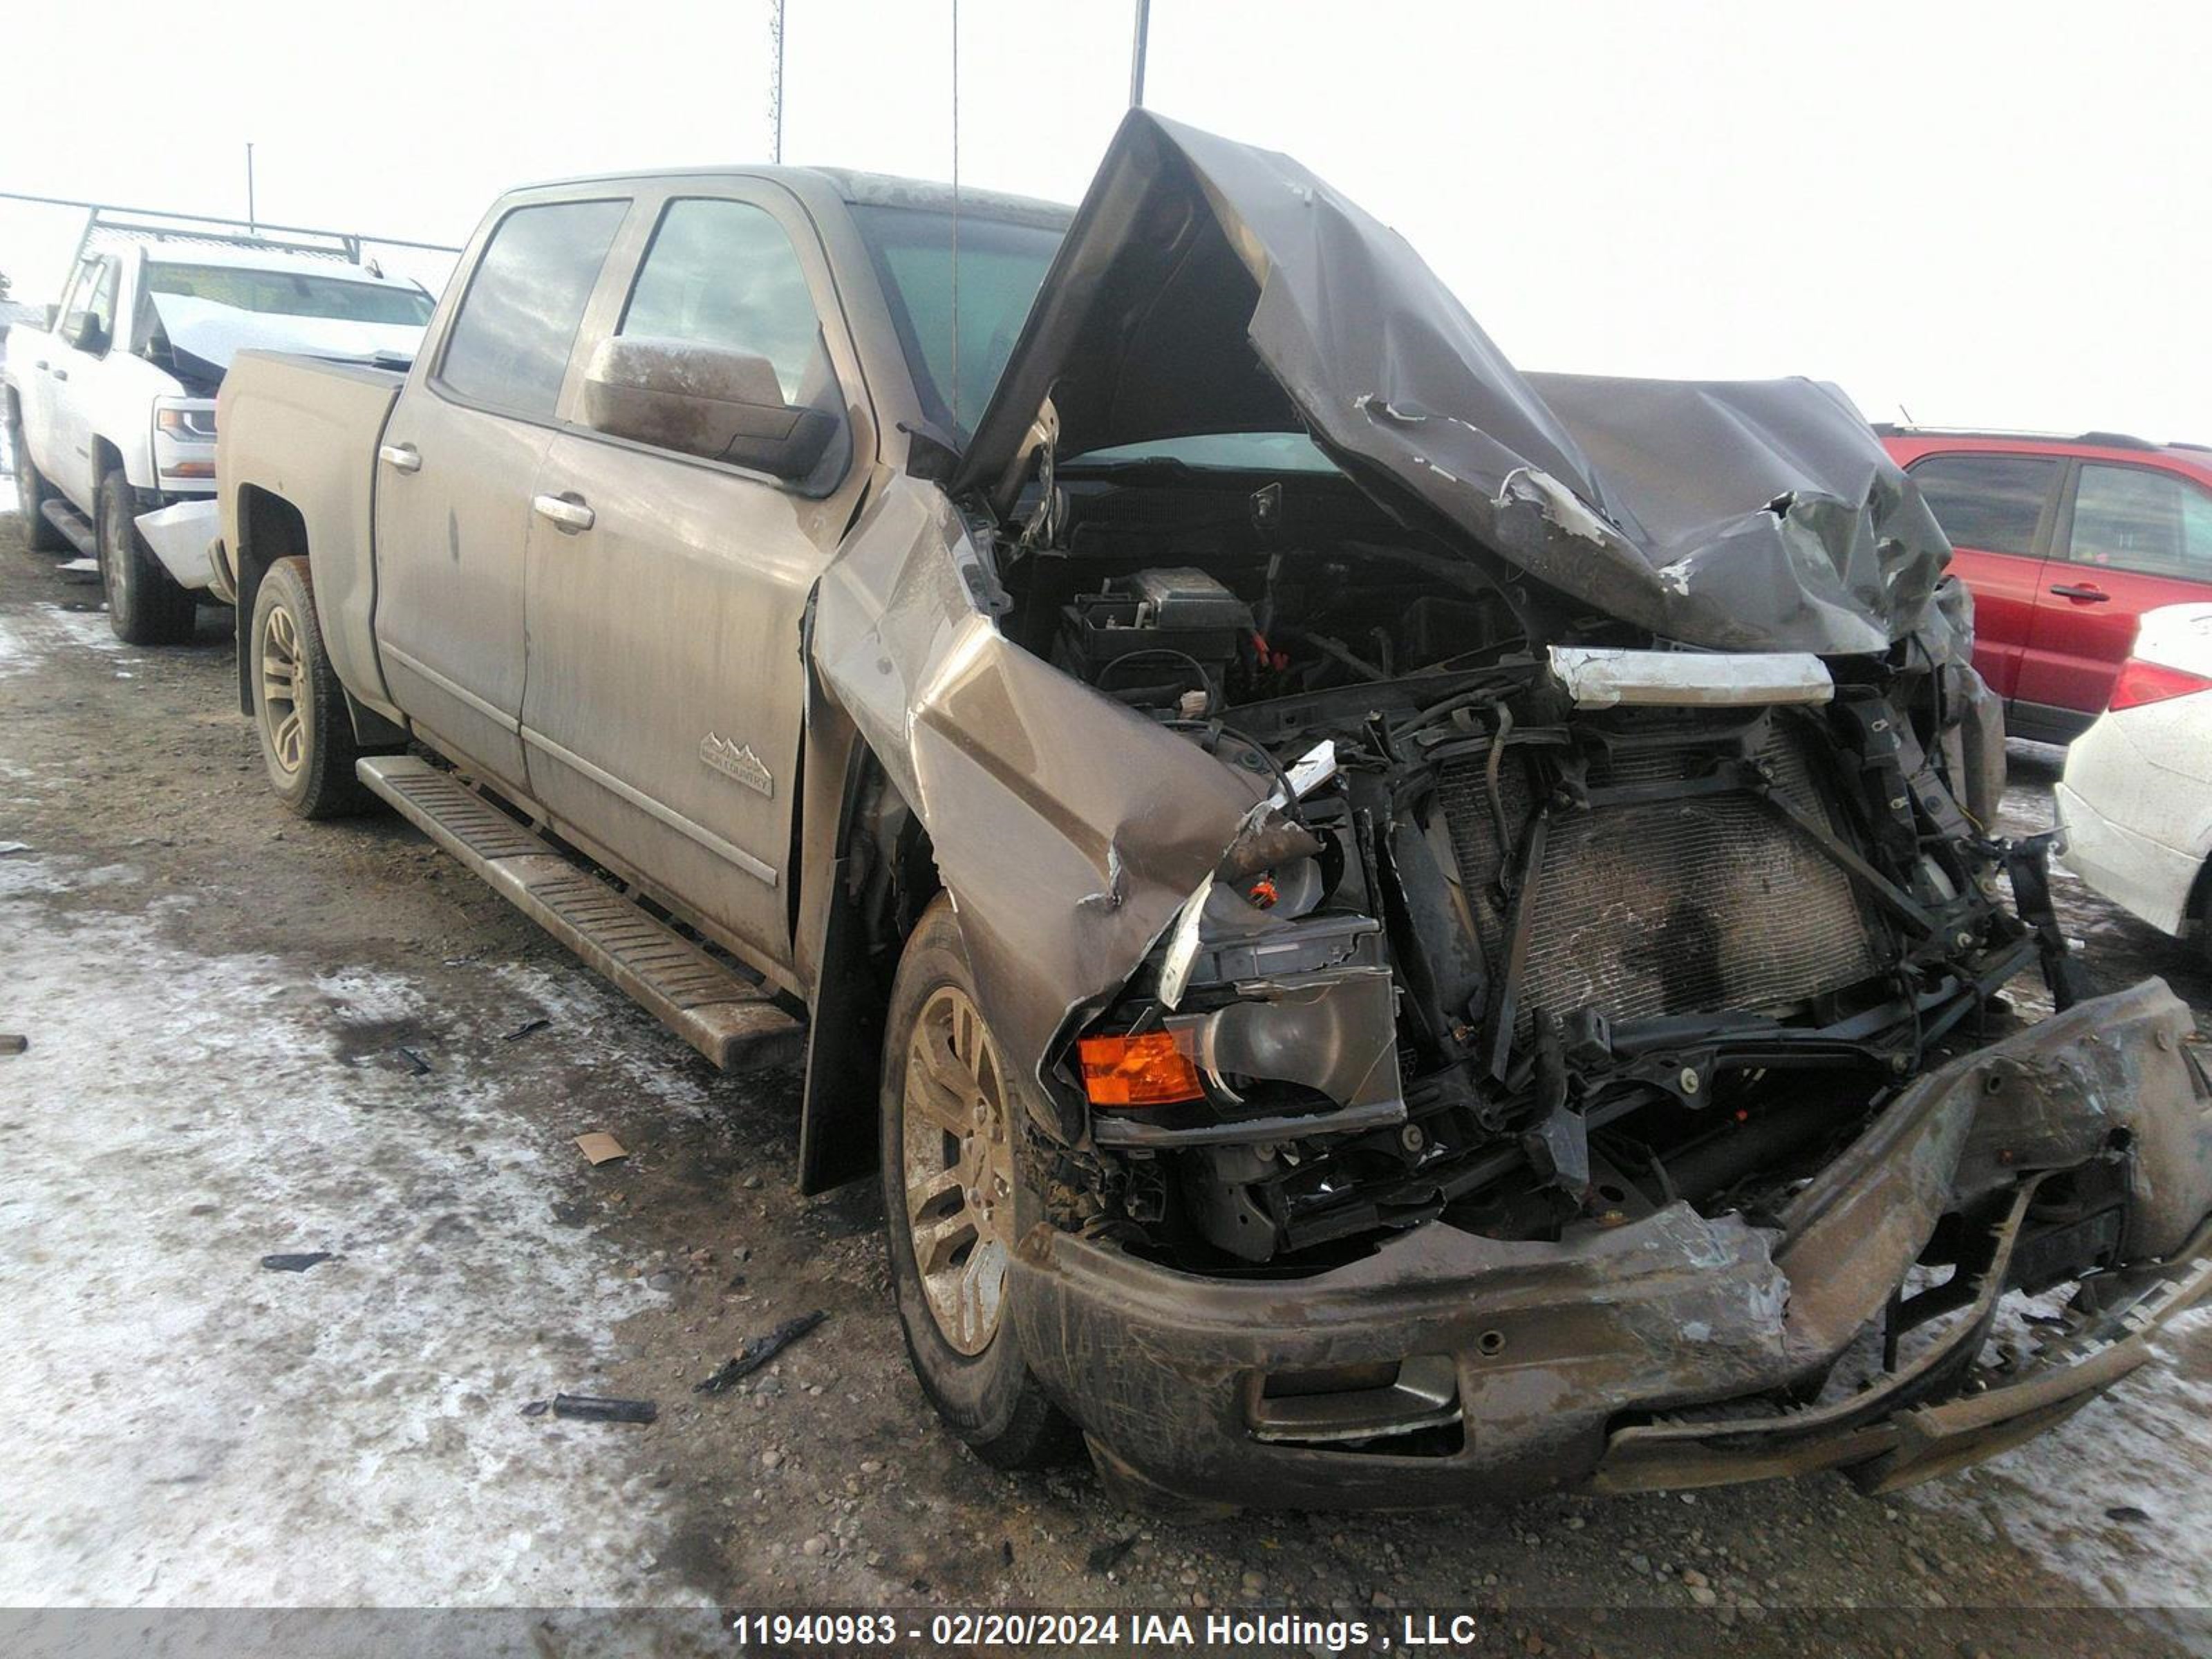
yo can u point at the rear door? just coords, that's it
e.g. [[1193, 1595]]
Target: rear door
[[33, 367], [456, 471], [2135, 536], [1997, 510], [667, 680]]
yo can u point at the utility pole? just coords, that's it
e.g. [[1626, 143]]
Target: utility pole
[[249, 187], [775, 82], [1137, 55]]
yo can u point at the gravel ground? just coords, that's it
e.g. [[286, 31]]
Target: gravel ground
[[250, 1035]]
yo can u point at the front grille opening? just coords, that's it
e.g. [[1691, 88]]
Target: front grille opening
[[1405, 1408], [1703, 904]]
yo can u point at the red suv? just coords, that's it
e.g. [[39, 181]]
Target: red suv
[[2063, 542]]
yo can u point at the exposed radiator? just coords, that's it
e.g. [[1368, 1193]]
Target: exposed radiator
[[1700, 906]]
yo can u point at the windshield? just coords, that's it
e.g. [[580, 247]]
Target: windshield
[[1001, 266], [292, 293], [1226, 451]]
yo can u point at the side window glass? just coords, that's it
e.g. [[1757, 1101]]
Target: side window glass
[[510, 343], [79, 291], [724, 273], [1992, 503], [103, 297], [2129, 518]]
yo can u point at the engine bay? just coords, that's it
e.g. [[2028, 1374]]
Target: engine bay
[[1626, 955]]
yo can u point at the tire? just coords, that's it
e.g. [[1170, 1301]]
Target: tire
[[145, 606], [298, 707], [959, 1336], [33, 492]]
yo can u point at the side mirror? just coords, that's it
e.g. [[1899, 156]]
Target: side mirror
[[52, 315], [81, 330], [703, 400]]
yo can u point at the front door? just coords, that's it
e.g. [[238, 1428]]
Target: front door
[[1997, 510], [2135, 538], [456, 471], [71, 384], [667, 592]]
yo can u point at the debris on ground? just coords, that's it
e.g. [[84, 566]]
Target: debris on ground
[[1105, 1556], [2129, 1513], [7, 847], [415, 1065], [597, 1408], [535, 1407], [756, 1352], [525, 1030], [600, 1147], [296, 1261], [13, 1042]]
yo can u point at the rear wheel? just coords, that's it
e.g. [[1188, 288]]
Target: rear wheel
[[955, 1199], [307, 735], [33, 492], [145, 606]]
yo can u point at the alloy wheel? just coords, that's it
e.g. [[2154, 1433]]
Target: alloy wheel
[[114, 556], [960, 1168], [283, 695]]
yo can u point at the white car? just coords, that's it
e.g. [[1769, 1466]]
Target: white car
[[111, 412], [2135, 800]]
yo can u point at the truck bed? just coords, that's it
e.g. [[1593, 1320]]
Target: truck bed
[[304, 430]]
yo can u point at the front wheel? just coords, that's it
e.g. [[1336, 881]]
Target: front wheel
[[145, 606], [955, 1195], [307, 735]]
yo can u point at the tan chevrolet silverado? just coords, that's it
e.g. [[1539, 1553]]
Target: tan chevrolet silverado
[[1397, 932]]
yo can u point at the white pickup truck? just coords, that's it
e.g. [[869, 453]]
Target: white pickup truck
[[110, 407]]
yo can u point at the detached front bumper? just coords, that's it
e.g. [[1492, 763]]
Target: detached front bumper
[[1446, 1368]]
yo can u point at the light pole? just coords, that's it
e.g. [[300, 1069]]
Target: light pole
[[775, 82], [1137, 55]]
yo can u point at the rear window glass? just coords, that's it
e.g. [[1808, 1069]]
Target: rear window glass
[[1989, 502], [510, 343], [292, 293], [2129, 518]]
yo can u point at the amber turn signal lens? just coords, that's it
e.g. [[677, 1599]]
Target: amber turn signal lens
[[1138, 1070]]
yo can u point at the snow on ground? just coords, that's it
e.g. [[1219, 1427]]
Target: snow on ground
[[179, 1425], [2146, 1446], [28, 638]]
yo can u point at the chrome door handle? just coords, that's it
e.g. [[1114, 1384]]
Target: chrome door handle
[[400, 457], [2077, 591], [571, 516]]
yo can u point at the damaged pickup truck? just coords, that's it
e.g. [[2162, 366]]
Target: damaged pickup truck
[[1398, 932]]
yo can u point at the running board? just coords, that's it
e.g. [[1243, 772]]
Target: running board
[[706, 1002], [72, 524]]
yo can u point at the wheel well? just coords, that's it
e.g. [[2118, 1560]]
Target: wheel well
[[883, 878], [2197, 920], [106, 458], [270, 528]]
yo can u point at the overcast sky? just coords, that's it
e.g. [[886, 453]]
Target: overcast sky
[[1993, 214]]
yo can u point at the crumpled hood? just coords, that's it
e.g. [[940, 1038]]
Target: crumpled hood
[[1206, 286], [214, 332]]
